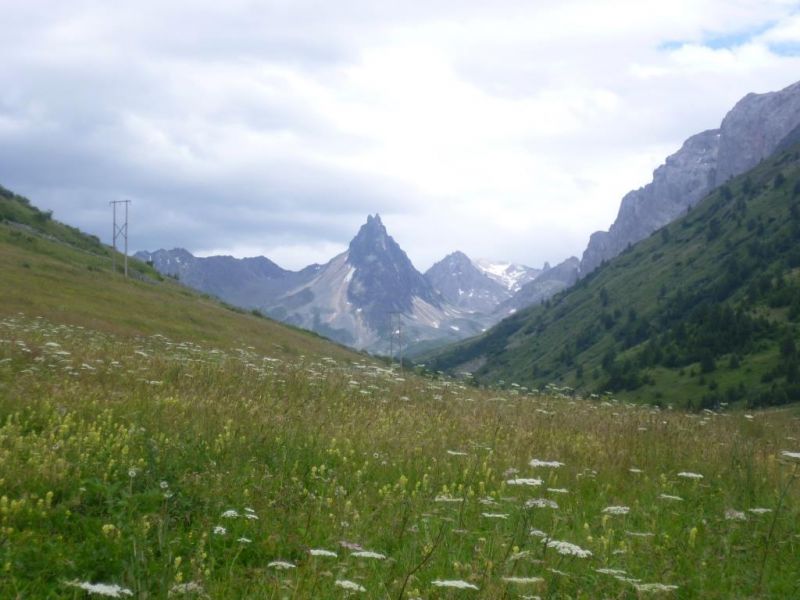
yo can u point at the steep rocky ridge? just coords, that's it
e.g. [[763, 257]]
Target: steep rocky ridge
[[756, 127]]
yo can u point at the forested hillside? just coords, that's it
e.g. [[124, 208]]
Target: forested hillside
[[705, 311]]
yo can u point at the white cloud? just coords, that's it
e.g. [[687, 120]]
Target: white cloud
[[508, 129]]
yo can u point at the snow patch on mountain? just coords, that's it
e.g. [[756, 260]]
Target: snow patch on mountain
[[511, 276]]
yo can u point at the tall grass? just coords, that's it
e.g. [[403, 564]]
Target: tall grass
[[169, 468]]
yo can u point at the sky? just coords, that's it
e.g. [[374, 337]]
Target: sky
[[508, 130]]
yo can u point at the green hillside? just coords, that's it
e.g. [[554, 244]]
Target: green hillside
[[705, 311], [55, 271]]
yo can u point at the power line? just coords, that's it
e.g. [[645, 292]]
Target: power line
[[119, 231]]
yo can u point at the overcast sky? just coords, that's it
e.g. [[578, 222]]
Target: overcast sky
[[506, 129]]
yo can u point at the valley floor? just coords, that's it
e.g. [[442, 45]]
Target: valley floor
[[164, 468]]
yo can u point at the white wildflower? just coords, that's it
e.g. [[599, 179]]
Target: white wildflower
[[540, 503], [350, 586], [112, 590], [368, 554], [182, 589], [669, 497], [616, 572], [549, 464], [635, 470], [523, 580], [792, 455], [220, 530], [350, 545], [616, 510], [456, 453], [735, 515], [689, 475], [494, 515], [654, 587], [322, 552], [538, 533], [163, 485], [282, 565], [558, 490], [567, 549], [531, 481], [447, 499], [454, 583], [230, 514], [244, 540], [760, 511]]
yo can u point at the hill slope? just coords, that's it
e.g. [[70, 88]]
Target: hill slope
[[704, 311], [55, 271]]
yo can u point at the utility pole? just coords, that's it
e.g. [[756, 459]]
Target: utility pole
[[396, 331], [119, 231]]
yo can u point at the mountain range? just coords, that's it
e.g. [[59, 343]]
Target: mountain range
[[371, 296]]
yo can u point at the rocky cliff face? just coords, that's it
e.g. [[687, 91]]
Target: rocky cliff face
[[383, 279], [754, 129]]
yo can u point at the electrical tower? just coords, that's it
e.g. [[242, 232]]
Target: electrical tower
[[120, 231]]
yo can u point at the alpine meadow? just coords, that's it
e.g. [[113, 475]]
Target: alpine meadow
[[170, 446]]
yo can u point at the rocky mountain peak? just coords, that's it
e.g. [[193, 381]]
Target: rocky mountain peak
[[754, 128], [383, 279]]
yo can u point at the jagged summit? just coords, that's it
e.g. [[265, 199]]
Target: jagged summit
[[383, 280]]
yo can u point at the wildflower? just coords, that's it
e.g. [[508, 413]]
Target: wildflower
[[735, 515], [792, 455], [443, 498], [532, 481], [523, 580], [282, 565], [759, 511], [567, 549], [132, 472], [369, 554], [350, 545], [454, 583], [538, 533], [191, 587], [230, 514], [654, 587], [244, 540], [635, 470], [456, 453], [220, 530], [668, 497], [163, 485], [350, 586], [558, 490], [540, 503], [494, 515], [112, 590], [549, 464], [321, 552], [616, 572], [616, 510], [689, 475]]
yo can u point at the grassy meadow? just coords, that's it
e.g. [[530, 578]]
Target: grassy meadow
[[152, 467]]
